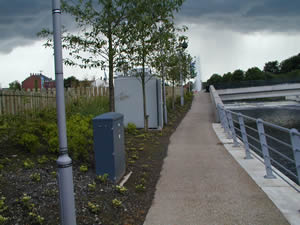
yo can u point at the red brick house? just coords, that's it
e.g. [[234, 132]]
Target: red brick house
[[38, 81]]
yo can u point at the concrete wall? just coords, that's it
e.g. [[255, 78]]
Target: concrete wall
[[216, 100]]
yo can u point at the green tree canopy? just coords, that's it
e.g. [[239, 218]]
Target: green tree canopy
[[15, 85], [214, 79], [101, 37], [227, 77], [71, 82], [254, 74], [290, 64], [272, 67], [238, 75]]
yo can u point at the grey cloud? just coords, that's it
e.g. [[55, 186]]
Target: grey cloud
[[244, 15], [21, 20]]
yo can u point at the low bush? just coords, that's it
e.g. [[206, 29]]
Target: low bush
[[131, 128]]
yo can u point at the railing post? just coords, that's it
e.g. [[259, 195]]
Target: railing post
[[244, 136], [220, 115], [226, 124], [231, 125], [295, 140], [265, 150]]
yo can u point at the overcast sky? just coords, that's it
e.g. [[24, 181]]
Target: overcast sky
[[225, 35]]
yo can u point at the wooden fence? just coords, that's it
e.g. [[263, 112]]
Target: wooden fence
[[16, 102], [169, 91]]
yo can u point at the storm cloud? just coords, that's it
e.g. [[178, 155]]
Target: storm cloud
[[20, 20], [244, 15]]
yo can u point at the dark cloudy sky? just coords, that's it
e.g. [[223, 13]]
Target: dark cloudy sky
[[224, 34]]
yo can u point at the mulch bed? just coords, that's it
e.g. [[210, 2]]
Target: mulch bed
[[31, 194]]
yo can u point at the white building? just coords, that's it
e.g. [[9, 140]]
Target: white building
[[100, 83]]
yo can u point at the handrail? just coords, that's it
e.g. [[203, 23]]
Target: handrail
[[274, 154]]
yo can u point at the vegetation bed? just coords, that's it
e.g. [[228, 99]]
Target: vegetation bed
[[29, 190]]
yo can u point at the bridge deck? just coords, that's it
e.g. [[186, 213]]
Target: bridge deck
[[201, 183]]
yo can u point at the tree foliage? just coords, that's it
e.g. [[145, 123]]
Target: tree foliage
[[145, 40], [71, 82], [272, 67], [254, 74], [102, 32], [288, 69], [290, 64], [238, 75], [15, 85]]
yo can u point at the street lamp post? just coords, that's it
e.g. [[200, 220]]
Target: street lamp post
[[184, 45], [64, 162], [165, 116]]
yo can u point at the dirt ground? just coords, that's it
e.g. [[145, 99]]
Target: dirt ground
[[30, 195]]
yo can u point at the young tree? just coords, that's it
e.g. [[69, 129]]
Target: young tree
[[144, 39], [173, 73], [102, 27], [167, 42]]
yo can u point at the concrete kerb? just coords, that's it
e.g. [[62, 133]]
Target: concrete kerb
[[285, 198]]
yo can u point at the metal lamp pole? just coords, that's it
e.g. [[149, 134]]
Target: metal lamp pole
[[184, 45], [64, 162], [165, 116]]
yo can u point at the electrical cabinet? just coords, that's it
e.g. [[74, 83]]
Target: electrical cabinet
[[109, 145]]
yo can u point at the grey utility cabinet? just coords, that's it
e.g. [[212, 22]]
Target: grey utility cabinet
[[109, 145], [129, 101]]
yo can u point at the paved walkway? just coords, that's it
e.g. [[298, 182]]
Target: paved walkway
[[201, 183]]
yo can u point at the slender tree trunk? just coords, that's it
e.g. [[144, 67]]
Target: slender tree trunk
[[164, 97], [111, 72], [173, 95], [144, 97]]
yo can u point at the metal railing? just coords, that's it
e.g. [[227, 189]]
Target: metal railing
[[273, 145]]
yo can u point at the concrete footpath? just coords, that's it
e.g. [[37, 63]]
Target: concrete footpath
[[201, 183]]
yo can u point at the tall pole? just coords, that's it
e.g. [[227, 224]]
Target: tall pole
[[181, 83], [184, 45], [64, 162]]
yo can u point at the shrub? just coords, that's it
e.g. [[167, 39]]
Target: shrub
[[3, 219], [103, 178], [131, 128], [28, 164], [83, 168], [94, 208], [29, 142], [35, 218], [92, 186], [35, 177], [140, 188], [116, 203], [120, 189], [43, 159], [80, 134], [50, 137], [3, 207]]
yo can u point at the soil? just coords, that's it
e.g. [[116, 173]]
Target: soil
[[31, 194]]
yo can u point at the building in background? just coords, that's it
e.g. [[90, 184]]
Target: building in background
[[37, 81], [100, 83], [198, 79]]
